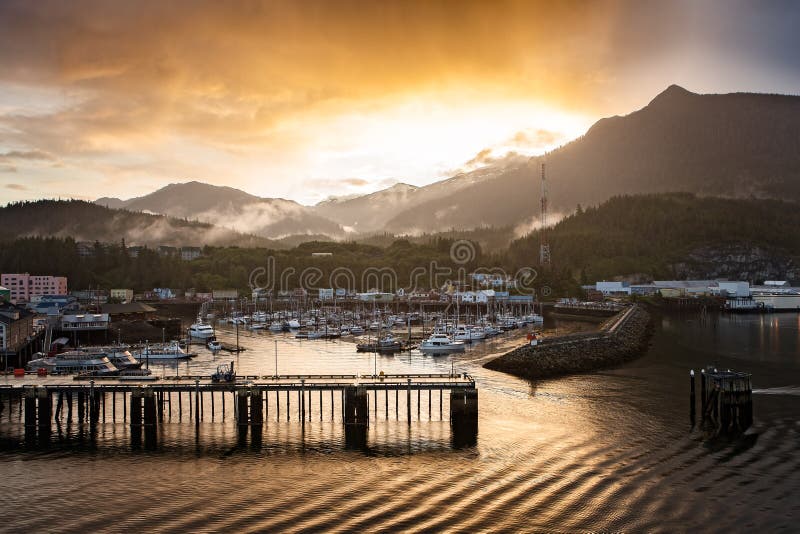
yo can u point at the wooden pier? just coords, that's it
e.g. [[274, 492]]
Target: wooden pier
[[251, 402]]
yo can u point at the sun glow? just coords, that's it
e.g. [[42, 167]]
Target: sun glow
[[422, 139]]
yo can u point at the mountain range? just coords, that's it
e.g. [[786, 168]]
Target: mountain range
[[734, 145], [231, 208]]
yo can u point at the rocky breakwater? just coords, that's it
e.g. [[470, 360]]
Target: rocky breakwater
[[623, 338]]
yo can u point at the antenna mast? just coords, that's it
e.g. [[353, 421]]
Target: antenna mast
[[544, 246]]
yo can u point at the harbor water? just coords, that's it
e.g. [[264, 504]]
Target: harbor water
[[612, 450]]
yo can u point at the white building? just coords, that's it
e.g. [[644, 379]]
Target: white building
[[734, 289], [376, 296], [480, 297], [613, 288], [85, 321]]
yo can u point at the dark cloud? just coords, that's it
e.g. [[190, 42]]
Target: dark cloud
[[26, 154]]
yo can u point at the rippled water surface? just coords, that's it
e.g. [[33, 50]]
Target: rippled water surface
[[605, 451]]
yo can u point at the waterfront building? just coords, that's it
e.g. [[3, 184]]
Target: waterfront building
[[375, 296], [84, 322], [53, 305], [777, 283], [163, 293], [613, 288], [121, 295], [16, 333], [23, 286], [733, 289], [91, 296], [224, 294]]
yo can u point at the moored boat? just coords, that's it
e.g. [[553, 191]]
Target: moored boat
[[163, 351], [441, 344], [75, 361], [201, 330]]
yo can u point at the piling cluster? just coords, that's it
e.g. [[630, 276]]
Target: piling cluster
[[726, 401], [620, 340]]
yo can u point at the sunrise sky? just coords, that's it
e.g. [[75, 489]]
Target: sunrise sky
[[304, 100]]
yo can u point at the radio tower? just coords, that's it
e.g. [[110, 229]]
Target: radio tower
[[544, 246]]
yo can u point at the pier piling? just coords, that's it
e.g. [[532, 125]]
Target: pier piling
[[81, 406], [356, 416], [464, 417], [30, 416], [45, 401], [692, 400]]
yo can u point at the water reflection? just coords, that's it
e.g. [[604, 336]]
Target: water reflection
[[600, 451]]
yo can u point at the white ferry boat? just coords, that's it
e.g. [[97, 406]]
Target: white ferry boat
[[75, 362]]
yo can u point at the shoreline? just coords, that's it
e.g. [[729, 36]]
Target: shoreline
[[620, 339]]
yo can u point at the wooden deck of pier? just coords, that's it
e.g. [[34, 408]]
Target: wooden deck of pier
[[144, 404]]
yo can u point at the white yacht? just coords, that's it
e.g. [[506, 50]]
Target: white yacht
[[294, 324], [275, 326], [201, 330], [356, 330], [468, 334], [490, 330], [441, 343], [163, 351], [214, 345]]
